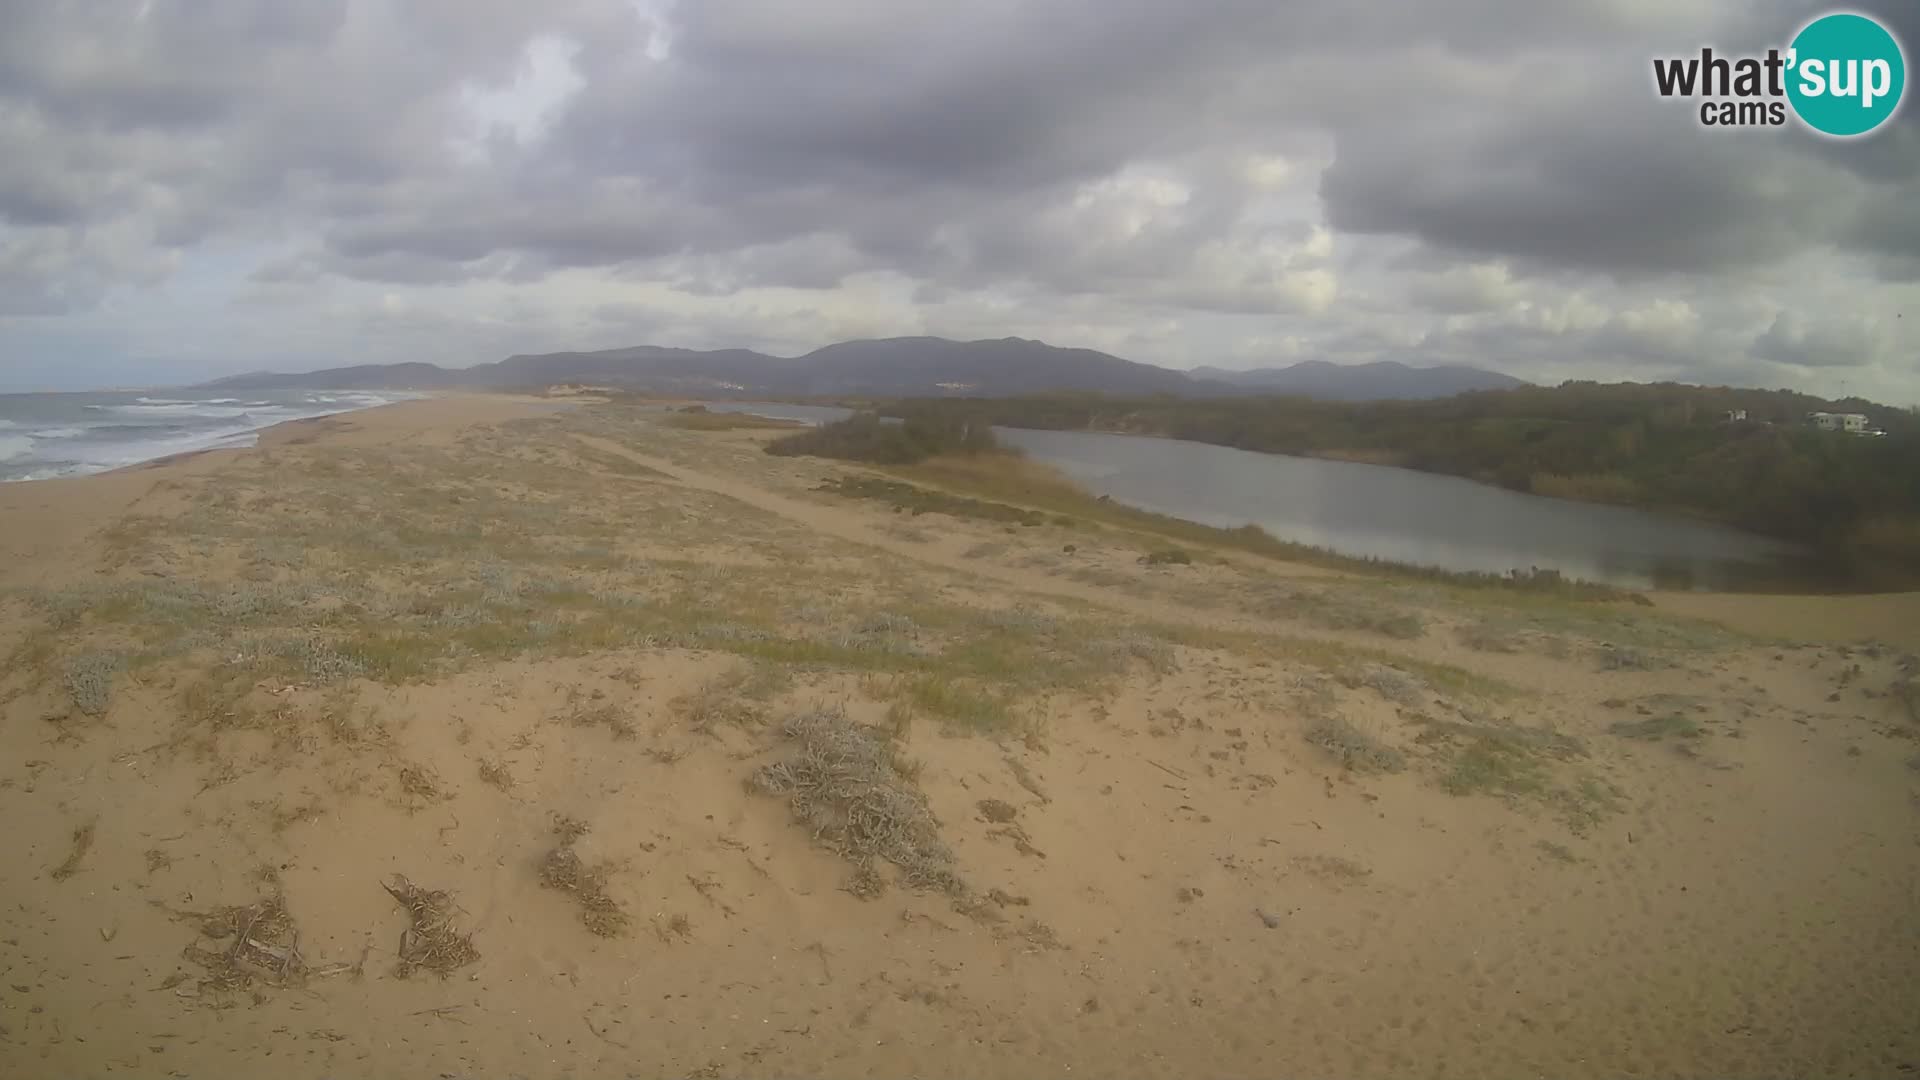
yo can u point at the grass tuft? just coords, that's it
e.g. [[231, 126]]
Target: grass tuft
[[727, 421], [918, 500], [1352, 748], [1656, 728], [89, 680], [959, 702]]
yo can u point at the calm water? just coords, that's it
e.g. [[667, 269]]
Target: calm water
[[1396, 514]]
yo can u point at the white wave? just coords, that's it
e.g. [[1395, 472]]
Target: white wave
[[233, 424], [189, 409], [51, 472], [225, 401]]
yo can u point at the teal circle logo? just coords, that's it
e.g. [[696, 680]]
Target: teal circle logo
[[1846, 74]]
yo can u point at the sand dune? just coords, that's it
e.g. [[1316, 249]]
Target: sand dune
[[691, 768]]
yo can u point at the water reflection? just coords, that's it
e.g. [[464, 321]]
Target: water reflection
[[1396, 514]]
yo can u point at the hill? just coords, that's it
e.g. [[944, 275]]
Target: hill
[[894, 367], [1379, 381]]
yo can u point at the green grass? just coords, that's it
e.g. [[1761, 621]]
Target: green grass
[[721, 421], [505, 548], [960, 702], [1656, 728], [1337, 658], [1348, 606], [1172, 556], [616, 464], [1487, 766], [916, 500], [1557, 852], [1354, 749], [392, 657], [1516, 763], [1487, 635]]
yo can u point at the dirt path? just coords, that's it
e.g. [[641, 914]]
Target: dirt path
[[843, 525]]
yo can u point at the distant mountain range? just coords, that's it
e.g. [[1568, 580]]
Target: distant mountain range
[[894, 367], [1362, 382]]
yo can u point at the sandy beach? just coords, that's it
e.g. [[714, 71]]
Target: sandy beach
[[503, 736]]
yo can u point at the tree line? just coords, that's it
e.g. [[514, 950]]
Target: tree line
[[1854, 498]]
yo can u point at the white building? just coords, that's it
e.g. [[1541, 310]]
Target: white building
[[1827, 421]]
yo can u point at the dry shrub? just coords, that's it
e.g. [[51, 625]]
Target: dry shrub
[[1354, 749], [89, 680], [1392, 684], [998, 811], [82, 843], [610, 716], [843, 783], [564, 870], [1620, 658], [1487, 636], [1906, 691], [419, 782], [724, 700], [263, 946], [430, 942], [495, 772]]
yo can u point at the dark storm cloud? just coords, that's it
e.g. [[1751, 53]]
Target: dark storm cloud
[[887, 121], [1833, 342], [1583, 166], [1573, 193], [1078, 153]]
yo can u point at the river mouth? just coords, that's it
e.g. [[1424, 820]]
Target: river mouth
[[1408, 518]]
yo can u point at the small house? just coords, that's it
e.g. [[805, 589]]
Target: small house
[[1855, 423]]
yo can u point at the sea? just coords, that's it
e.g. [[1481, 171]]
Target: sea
[[43, 436]]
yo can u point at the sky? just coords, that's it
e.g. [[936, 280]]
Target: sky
[[192, 188]]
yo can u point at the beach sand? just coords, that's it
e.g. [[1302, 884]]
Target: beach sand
[[1227, 818]]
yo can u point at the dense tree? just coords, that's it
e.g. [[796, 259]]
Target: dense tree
[[866, 437], [1666, 446]]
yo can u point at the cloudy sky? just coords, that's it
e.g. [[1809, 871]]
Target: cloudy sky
[[199, 187]]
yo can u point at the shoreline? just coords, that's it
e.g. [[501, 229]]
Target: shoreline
[[238, 440], [1680, 513], [69, 511], [1791, 575]]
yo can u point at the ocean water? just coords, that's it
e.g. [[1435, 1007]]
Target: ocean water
[[50, 435]]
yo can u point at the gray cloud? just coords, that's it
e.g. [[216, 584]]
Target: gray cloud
[[1460, 181], [1830, 342]]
